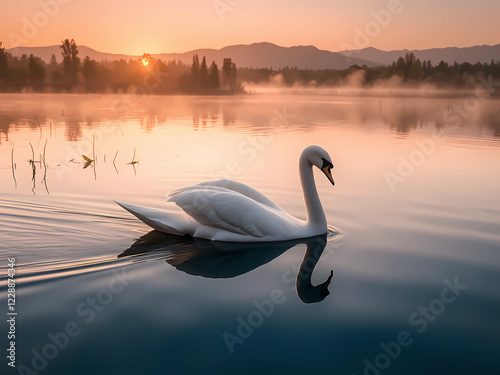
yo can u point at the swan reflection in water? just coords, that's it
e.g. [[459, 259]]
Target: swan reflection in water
[[223, 260]]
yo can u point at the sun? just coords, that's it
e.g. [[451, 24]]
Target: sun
[[146, 59]]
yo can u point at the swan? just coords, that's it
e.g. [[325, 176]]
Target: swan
[[230, 211]]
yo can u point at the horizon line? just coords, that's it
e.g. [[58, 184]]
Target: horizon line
[[254, 43]]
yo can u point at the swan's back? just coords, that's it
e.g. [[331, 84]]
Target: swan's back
[[226, 185], [236, 212]]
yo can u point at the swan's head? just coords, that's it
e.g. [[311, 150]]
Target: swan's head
[[319, 158]]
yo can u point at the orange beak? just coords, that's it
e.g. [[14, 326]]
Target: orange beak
[[328, 173]]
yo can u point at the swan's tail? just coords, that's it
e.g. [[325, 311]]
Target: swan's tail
[[172, 222]]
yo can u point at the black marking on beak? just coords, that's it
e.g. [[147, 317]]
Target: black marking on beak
[[326, 163], [327, 170]]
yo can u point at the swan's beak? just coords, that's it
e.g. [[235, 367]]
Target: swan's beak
[[328, 173]]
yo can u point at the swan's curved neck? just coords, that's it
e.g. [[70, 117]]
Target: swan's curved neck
[[313, 252], [315, 214], [307, 292]]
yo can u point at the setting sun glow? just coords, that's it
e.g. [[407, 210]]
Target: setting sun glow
[[145, 59]]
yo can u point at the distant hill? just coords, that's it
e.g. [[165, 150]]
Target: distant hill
[[45, 53], [482, 54], [258, 55], [268, 55]]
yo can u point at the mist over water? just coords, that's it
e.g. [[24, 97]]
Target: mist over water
[[354, 85]]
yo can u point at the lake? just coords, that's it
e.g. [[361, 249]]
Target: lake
[[414, 239]]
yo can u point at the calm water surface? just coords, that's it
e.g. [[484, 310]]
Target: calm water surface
[[416, 203]]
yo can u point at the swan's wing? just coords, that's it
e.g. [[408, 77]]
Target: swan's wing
[[234, 186], [232, 211]]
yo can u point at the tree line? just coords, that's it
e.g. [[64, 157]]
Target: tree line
[[32, 74], [408, 70]]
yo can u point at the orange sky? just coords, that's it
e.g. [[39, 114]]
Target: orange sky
[[154, 26]]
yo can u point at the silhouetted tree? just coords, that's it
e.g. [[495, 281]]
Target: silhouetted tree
[[204, 73], [416, 73], [90, 71], [54, 73], [3, 64], [408, 67], [36, 73], [442, 67], [400, 67], [427, 68], [409, 62], [195, 71], [71, 61], [214, 82], [17, 78], [230, 74]]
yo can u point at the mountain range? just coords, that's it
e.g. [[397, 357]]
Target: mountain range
[[268, 55], [482, 54]]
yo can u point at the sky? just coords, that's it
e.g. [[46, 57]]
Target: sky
[[156, 26]]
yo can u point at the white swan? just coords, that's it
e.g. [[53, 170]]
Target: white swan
[[226, 210]]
